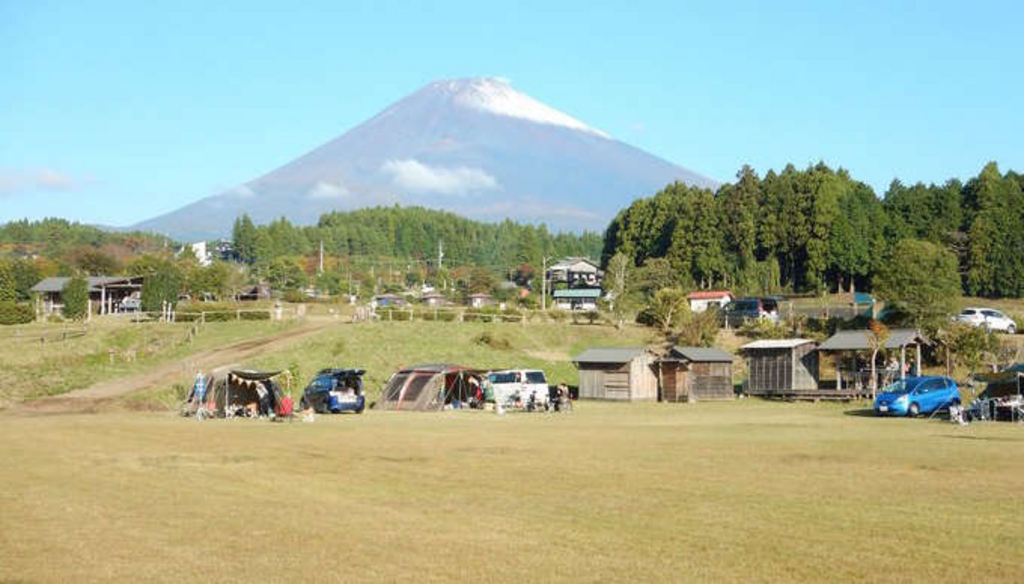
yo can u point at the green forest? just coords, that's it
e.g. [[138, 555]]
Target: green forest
[[820, 229], [412, 233]]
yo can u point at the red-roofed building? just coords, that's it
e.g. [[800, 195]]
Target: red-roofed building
[[703, 299]]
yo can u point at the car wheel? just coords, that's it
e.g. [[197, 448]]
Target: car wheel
[[914, 410], [1011, 330]]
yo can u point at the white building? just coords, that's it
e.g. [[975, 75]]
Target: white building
[[704, 299]]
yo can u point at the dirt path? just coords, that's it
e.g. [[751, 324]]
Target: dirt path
[[92, 398]]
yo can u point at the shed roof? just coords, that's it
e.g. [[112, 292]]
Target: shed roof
[[609, 355], [58, 283], [860, 340], [569, 262], [703, 354], [578, 293], [709, 294], [776, 344]]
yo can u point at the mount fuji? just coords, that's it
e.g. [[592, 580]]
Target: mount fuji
[[476, 147]]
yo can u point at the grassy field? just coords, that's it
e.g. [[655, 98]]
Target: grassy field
[[740, 491], [30, 369]]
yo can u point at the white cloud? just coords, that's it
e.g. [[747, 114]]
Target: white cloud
[[18, 181], [328, 190], [242, 192], [414, 176]]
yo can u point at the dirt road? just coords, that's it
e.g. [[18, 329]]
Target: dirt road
[[91, 399]]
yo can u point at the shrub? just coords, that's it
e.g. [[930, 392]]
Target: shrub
[[492, 340], [761, 328], [395, 314], [217, 312], [13, 313]]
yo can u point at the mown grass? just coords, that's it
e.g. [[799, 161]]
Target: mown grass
[[30, 369], [741, 491]]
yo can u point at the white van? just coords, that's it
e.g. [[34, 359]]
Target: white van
[[510, 383]]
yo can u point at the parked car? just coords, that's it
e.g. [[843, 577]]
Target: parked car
[[523, 383], [743, 309], [917, 395], [130, 304], [335, 390], [989, 318]]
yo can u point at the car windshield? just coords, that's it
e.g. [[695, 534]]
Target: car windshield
[[322, 383], [900, 386], [744, 306], [503, 377], [535, 377]]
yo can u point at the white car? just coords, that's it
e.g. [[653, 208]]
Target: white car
[[509, 383], [989, 318]]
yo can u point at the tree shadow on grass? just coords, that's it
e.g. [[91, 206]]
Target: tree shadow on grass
[[861, 413]]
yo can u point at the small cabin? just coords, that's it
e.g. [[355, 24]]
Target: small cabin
[[577, 299], [479, 300], [781, 367], [704, 299], [627, 374], [696, 373], [434, 299]]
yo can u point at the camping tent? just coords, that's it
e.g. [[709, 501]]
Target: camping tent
[[243, 392], [428, 387]]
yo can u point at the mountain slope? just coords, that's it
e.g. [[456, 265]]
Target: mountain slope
[[473, 146]]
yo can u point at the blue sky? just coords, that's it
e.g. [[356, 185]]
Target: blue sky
[[114, 112]]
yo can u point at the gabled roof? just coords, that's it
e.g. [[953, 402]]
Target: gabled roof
[[860, 340], [609, 355], [568, 262], [57, 284], [709, 294], [578, 293], [776, 344], [702, 354]]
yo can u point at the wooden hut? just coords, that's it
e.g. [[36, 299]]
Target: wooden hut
[[782, 367], [617, 374], [696, 373], [853, 375]]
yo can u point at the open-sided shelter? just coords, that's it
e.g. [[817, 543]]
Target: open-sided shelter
[[627, 374], [781, 366], [105, 292], [696, 373], [429, 387], [844, 346]]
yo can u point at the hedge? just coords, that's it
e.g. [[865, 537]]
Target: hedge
[[13, 313], [218, 312]]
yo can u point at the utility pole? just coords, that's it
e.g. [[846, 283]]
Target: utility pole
[[440, 261], [321, 272], [544, 284]]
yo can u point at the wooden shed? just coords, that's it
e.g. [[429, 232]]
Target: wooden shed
[[782, 367], [627, 374], [696, 373]]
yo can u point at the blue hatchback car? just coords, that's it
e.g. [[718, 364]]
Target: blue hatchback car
[[917, 395], [334, 391]]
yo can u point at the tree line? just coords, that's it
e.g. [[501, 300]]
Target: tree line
[[819, 229], [411, 233]]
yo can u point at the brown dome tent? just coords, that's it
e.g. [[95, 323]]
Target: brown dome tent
[[428, 387], [243, 392]]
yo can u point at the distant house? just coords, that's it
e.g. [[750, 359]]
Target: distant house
[[479, 300], [106, 292], [781, 367], [617, 374], [577, 299], [575, 273], [199, 249], [696, 373], [434, 299], [704, 299]]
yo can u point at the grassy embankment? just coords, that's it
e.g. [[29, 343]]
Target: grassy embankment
[[740, 491], [112, 347]]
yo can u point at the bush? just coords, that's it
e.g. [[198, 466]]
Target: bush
[[762, 328], [395, 314], [13, 313], [440, 315], [217, 312], [76, 299], [492, 340]]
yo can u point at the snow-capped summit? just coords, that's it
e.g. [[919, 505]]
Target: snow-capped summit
[[496, 95], [474, 146]]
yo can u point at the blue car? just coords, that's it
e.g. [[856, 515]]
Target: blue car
[[334, 391], [917, 395]]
